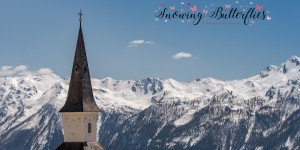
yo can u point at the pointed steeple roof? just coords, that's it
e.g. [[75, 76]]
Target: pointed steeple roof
[[80, 96]]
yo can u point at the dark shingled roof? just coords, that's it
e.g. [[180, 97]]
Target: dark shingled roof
[[80, 96], [72, 146], [80, 146]]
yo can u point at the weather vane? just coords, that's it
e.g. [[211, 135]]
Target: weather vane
[[80, 14]]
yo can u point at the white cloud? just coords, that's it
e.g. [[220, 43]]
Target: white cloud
[[182, 55], [22, 70], [44, 71], [10, 70], [135, 43]]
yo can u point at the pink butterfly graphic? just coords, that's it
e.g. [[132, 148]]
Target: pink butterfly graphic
[[193, 8], [205, 11], [269, 18], [172, 8], [227, 6], [259, 7]]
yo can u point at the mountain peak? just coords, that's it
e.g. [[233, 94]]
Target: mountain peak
[[294, 59], [268, 70], [291, 64]]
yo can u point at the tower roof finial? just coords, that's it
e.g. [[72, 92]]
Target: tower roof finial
[[80, 14]]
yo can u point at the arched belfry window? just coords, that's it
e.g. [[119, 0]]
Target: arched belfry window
[[89, 128], [76, 68]]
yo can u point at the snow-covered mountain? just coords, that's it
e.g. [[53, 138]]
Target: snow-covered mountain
[[260, 112]]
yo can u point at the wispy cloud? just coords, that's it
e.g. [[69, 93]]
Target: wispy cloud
[[136, 43], [10, 70], [182, 55], [22, 70]]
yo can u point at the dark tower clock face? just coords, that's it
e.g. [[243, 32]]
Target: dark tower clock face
[[73, 127]]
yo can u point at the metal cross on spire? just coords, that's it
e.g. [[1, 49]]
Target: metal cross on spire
[[80, 14]]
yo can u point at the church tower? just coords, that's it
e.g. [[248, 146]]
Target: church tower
[[80, 111]]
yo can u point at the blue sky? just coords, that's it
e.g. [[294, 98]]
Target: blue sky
[[43, 35]]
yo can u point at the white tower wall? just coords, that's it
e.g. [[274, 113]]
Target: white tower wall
[[77, 128]]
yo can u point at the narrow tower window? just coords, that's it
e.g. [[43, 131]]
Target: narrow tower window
[[76, 68], [89, 128]]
